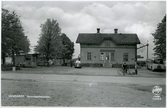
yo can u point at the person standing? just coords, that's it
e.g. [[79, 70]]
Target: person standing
[[135, 67], [124, 66]]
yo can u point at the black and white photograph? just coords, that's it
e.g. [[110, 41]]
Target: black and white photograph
[[83, 53]]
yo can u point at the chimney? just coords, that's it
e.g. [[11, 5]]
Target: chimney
[[115, 31], [98, 30]]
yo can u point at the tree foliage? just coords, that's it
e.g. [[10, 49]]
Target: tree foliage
[[13, 37], [49, 40], [160, 39], [67, 48]]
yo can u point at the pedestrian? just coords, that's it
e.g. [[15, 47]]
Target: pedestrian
[[135, 67], [125, 67]]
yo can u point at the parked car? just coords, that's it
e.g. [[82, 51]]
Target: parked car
[[77, 64]]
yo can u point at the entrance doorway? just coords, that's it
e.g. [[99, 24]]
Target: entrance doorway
[[107, 58]]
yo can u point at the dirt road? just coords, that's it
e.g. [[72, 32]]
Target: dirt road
[[97, 87]]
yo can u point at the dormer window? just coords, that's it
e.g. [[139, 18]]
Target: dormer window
[[107, 44]]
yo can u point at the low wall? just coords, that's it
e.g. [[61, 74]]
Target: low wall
[[92, 64], [101, 65]]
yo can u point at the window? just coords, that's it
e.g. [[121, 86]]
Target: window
[[89, 56], [102, 56], [107, 44], [158, 61], [112, 56], [125, 57], [28, 57]]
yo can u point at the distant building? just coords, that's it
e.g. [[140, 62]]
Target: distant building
[[108, 49], [27, 60]]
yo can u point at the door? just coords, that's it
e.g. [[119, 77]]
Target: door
[[107, 58]]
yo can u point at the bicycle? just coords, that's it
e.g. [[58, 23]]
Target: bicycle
[[129, 72]]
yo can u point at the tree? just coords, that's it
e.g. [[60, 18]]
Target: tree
[[49, 40], [13, 36], [160, 39], [67, 49]]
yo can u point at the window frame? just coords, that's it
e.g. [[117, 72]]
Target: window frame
[[88, 56], [107, 44], [102, 56], [125, 56], [112, 57]]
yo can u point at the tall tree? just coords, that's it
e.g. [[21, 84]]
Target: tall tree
[[67, 48], [160, 39], [13, 36], [49, 39]]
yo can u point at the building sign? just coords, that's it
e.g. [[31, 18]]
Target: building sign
[[107, 50]]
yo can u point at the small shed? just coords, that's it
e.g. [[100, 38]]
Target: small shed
[[27, 60]]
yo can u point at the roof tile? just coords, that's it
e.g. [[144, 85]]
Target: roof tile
[[97, 38]]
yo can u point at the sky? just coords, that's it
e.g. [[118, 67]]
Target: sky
[[74, 17]]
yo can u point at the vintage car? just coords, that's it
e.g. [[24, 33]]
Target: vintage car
[[77, 64]]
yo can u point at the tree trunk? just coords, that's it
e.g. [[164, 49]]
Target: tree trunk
[[13, 58], [64, 62], [3, 58], [47, 59]]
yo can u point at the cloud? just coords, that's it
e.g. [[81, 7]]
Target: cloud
[[84, 17]]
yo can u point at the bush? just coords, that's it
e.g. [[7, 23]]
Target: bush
[[92, 64], [9, 67], [64, 64]]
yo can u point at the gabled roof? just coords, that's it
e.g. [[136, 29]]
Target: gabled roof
[[117, 38]]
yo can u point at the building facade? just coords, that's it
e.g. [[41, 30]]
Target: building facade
[[108, 49]]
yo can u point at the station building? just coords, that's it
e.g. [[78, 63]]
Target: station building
[[108, 49]]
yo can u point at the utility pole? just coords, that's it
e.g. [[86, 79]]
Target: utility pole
[[145, 46], [147, 49]]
